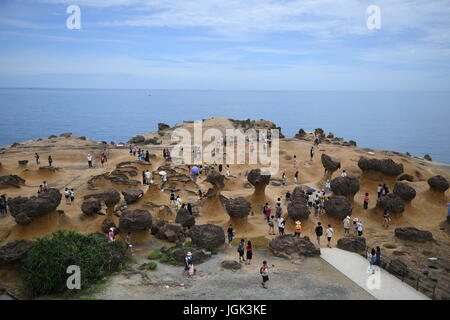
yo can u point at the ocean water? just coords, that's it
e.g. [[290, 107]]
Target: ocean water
[[415, 122]]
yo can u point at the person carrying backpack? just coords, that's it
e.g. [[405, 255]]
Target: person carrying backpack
[[240, 250], [319, 232]]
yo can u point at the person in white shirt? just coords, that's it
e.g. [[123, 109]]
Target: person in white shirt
[[178, 202], [344, 174], [328, 187], [359, 227], [347, 226], [330, 233], [148, 176], [89, 159], [67, 195]]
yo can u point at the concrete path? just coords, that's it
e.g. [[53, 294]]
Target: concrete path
[[382, 285]]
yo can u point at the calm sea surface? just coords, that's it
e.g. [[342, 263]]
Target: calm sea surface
[[417, 122]]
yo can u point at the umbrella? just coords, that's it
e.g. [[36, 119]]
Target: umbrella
[[162, 173], [310, 190], [194, 170]]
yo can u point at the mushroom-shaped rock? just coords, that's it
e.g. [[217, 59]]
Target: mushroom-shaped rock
[[169, 231], [11, 181], [386, 166], [14, 251], [132, 196], [406, 177], [24, 210], [91, 206], [329, 164], [404, 191], [236, 208], [392, 202], [298, 206], [289, 246], [216, 179], [352, 244], [345, 186], [338, 207], [107, 224], [133, 220], [207, 236], [185, 218], [413, 234], [258, 178], [438, 183]]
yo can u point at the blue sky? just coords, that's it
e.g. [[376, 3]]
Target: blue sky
[[226, 44]]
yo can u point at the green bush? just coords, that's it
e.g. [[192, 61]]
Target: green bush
[[152, 265], [155, 255], [44, 268]]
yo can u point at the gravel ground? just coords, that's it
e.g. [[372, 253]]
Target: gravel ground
[[310, 279]]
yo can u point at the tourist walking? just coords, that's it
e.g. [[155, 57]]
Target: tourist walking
[[380, 190], [359, 227], [311, 153], [178, 202], [355, 226], [36, 156], [278, 212], [319, 232], [271, 225], [89, 159], [330, 233], [189, 265], [386, 218], [45, 186], [295, 161], [249, 250], [111, 235], [230, 233], [128, 242], [372, 261], [172, 198], [102, 160], [344, 174], [281, 226], [268, 212], [366, 201], [328, 187], [298, 229], [264, 271], [50, 161], [67, 195], [283, 179], [72, 195], [296, 178], [241, 250], [148, 176], [347, 226]]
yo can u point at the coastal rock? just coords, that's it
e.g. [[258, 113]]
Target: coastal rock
[[110, 197], [11, 181], [352, 244], [406, 177], [386, 166], [66, 135], [413, 234], [404, 191], [163, 126], [133, 220], [48, 168], [25, 210], [132, 196], [198, 255], [107, 224], [300, 134], [91, 206], [392, 202], [185, 218], [397, 268], [168, 231], [427, 157], [438, 183], [23, 162], [329, 164], [13, 252], [138, 139], [236, 208], [207, 236], [291, 247], [231, 265], [256, 177], [216, 179], [298, 207], [345, 186], [338, 207]]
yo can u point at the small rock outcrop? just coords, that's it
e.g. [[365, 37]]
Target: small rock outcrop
[[185, 218], [133, 220], [387, 166], [132, 195], [406, 177], [438, 183], [392, 202], [168, 231], [298, 207], [398, 268], [207, 236], [338, 207], [413, 234], [238, 208], [345, 186], [230, 265], [352, 244], [110, 197], [11, 181], [91, 206], [13, 252], [25, 210], [404, 191], [198, 255], [291, 247], [330, 165]]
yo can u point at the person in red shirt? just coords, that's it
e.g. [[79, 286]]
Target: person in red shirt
[[366, 201], [249, 249]]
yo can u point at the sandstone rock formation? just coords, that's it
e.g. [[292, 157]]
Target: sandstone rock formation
[[387, 166], [438, 183], [238, 208], [352, 244], [393, 203], [345, 186], [338, 207], [185, 218], [289, 246], [91, 206], [413, 234], [133, 220], [11, 181], [132, 195], [168, 231], [14, 251], [404, 191], [298, 207], [207, 236]]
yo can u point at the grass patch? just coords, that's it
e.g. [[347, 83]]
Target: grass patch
[[152, 265], [155, 255], [258, 242]]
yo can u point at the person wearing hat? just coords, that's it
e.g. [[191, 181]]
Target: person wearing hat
[[298, 228], [347, 226], [188, 264]]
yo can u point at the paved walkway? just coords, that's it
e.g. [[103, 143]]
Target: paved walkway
[[382, 285]]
